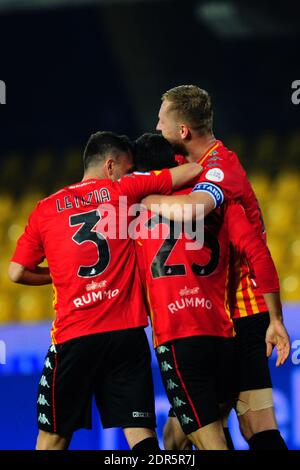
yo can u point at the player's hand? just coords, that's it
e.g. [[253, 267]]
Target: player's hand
[[277, 336]]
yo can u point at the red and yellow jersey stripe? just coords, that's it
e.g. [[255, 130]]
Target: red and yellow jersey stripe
[[54, 303], [244, 299]]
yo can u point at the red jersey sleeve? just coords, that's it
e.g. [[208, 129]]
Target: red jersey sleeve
[[138, 185], [29, 251], [223, 177], [246, 241]]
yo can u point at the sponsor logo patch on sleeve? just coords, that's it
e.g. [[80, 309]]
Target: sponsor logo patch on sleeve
[[215, 174]]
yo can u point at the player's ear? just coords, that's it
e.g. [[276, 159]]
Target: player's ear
[[184, 131], [109, 168]]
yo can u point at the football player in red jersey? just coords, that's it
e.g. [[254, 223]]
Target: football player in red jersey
[[185, 120], [198, 309], [99, 345]]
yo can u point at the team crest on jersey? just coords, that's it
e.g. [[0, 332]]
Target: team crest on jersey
[[215, 174]]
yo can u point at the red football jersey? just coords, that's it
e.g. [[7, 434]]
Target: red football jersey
[[227, 181], [187, 289], [82, 231]]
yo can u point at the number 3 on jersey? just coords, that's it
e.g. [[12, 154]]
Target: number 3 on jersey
[[87, 233]]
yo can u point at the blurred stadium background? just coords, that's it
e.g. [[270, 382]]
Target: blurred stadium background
[[72, 67]]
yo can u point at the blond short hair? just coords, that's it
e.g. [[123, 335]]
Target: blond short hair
[[191, 105]]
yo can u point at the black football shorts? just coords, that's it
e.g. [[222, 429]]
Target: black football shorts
[[197, 373], [251, 362], [115, 367]]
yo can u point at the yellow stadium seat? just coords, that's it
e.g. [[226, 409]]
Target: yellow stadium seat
[[290, 285], [31, 305], [278, 249], [262, 186], [294, 253], [7, 207], [28, 202], [7, 308], [287, 186], [14, 231], [279, 217]]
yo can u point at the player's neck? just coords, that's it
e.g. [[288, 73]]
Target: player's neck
[[91, 175], [198, 146]]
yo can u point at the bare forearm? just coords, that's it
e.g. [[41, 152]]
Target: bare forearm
[[184, 174], [33, 278], [177, 207], [274, 306], [21, 275]]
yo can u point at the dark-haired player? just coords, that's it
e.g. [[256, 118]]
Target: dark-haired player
[[99, 345]]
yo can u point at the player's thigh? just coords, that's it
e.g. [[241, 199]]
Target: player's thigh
[[66, 386], [251, 362], [188, 367], [225, 374], [125, 398], [254, 406]]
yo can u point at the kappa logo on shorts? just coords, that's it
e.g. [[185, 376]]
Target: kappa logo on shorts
[[162, 349], [48, 364], [42, 400], [165, 366], [171, 385], [52, 348], [43, 419], [177, 402], [43, 382], [185, 419]]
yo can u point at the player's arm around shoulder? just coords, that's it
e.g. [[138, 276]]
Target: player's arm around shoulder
[[138, 185], [183, 174], [197, 204]]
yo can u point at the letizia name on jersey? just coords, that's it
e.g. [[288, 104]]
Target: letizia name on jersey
[[71, 201]]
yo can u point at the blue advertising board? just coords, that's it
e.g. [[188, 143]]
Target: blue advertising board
[[22, 351]]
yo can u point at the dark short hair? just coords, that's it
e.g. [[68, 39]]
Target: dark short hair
[[100, 145], [153, 152], [127, 142]]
